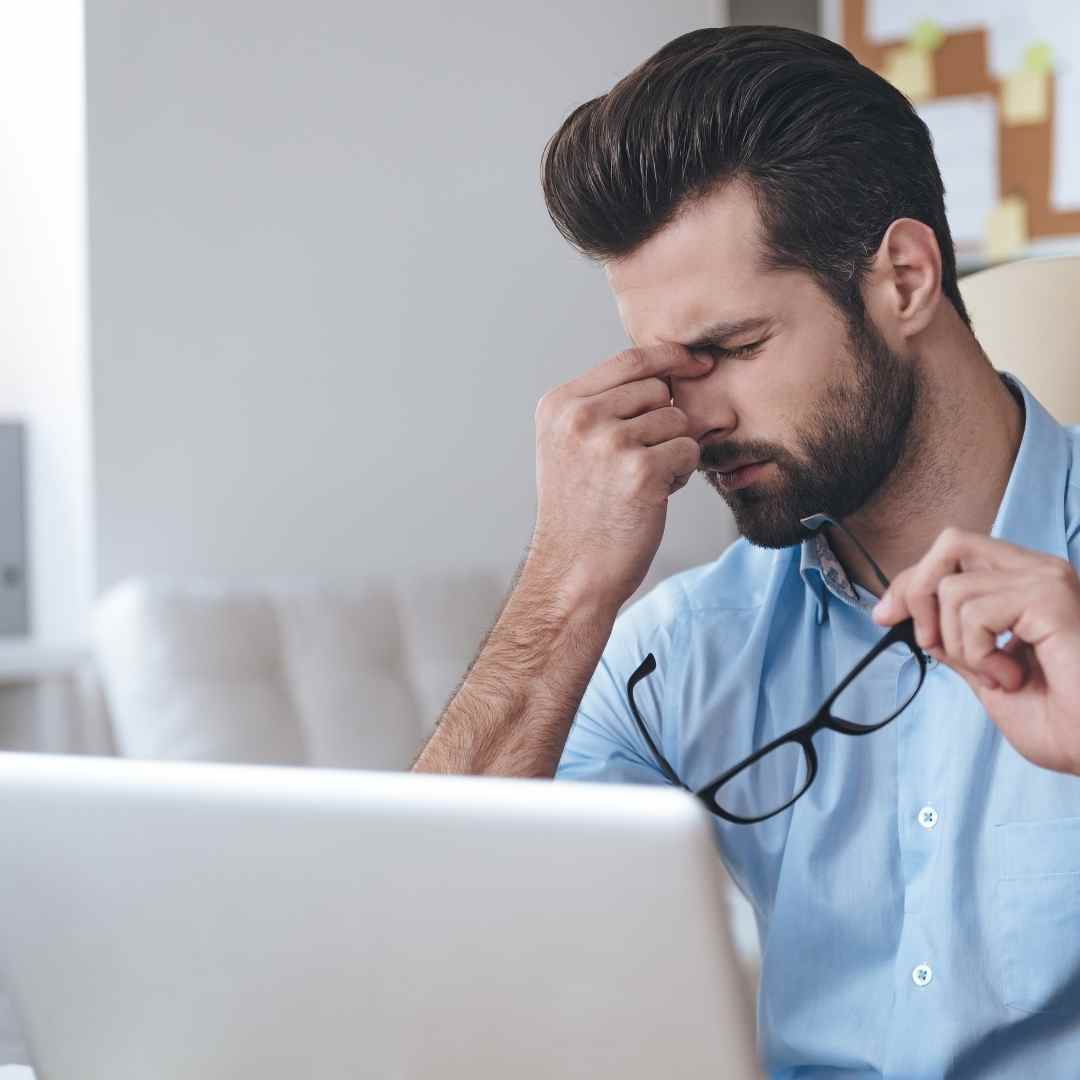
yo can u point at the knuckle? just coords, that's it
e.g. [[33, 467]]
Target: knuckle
[[949, 588], [950, 535], [543, 407], [671, 425], [577, 418], [616, 439], [690, 447], [550, 406], [925, 586], [638, 473]]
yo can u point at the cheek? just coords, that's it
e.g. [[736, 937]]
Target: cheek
[[781, 392], [798, 376]]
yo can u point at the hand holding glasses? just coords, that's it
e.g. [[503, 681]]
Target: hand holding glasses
[[782, 770]]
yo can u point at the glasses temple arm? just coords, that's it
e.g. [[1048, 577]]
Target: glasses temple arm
[[816, 522]]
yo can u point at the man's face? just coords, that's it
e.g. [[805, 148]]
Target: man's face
[[826, 407]]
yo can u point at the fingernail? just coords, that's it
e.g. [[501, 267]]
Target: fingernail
[[704, 358], [990, 684]]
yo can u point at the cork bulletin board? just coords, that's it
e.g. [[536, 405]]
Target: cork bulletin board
[[999, 86]]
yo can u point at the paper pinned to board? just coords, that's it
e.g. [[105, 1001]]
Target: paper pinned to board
[[964, 130], [911, 71], [1025, 98], [1007, 228], [1025, 94]]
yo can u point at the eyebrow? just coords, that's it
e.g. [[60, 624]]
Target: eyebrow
[[720, 333]]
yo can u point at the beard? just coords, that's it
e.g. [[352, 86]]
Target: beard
[[858, 432]]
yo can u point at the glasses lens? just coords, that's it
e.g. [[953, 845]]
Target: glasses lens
[[768, 784], [880, 691]]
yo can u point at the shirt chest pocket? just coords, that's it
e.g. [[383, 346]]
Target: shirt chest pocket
[[1037, 914]]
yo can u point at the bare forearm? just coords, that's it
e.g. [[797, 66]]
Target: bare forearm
[[513, 712]]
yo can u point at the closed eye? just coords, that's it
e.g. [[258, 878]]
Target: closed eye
[[734, 354]]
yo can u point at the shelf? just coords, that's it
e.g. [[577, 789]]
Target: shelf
[[23, 660]]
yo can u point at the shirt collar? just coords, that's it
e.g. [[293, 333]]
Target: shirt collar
[[822, 571], [1031, 513]]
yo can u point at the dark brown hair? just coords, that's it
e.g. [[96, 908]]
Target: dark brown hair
[[832, 152]]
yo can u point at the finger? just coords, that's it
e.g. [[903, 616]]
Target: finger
[[914, 592], [656, 427], [957, 550], [983, 619], [892, 604], [632, 399], [678, 482], [976, 681], [980, 684], [975, 608], [993, 678], [900, 601], [655, 361], [677, 459], [970, 548], [954, 592]]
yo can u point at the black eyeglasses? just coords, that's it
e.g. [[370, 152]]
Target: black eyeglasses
[[772, 778]]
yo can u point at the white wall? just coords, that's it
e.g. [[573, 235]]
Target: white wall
[[326, 295], [43, 331]]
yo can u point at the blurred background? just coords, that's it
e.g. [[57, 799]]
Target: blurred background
[[280, 293]]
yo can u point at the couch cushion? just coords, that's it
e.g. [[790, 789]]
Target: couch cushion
[[445, 620], [286, 673]]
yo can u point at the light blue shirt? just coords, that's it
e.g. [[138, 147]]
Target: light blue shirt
[[919, 907]]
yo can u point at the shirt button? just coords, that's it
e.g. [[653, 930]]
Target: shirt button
[[928, 817], [921, 975]]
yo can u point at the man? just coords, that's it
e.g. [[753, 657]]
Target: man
[[771, 221]]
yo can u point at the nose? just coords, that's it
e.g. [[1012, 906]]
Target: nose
[[706, 404]]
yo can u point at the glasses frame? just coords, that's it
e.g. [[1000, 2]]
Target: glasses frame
[[901, 633]]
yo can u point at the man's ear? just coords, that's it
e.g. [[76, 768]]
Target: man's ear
[[905, 280]]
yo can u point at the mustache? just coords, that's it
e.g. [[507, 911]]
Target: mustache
[[725, 456]]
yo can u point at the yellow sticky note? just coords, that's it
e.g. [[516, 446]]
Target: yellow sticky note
[[1025, 97], [927, 36], [1039, 57], [1007, 228], [911, 71]]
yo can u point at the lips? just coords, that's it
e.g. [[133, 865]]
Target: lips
[[740, 476], [727, 470]]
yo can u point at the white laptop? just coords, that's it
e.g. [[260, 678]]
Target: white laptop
[[266, 923]]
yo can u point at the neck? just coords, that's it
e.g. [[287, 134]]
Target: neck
[[954, 471]]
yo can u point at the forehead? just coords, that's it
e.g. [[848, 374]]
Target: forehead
[[705, 267]]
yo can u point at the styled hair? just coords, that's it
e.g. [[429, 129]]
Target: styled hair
[[831, 151]]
